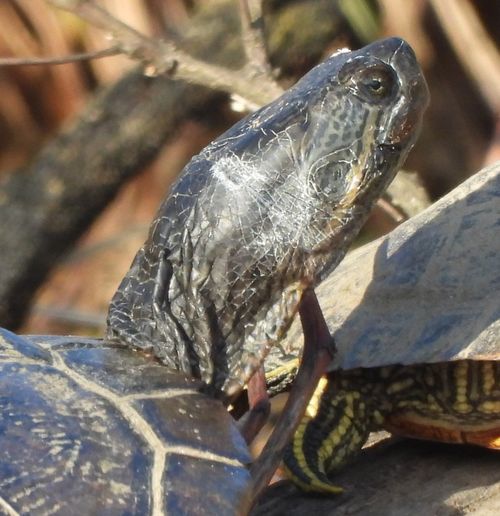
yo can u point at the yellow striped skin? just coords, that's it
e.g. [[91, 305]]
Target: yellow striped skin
[[453, 402]]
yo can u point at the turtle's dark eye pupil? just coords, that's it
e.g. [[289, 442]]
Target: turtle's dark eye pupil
[[375, 85], [378, 85]]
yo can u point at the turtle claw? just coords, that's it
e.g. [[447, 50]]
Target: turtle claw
[[251, 423], [318, 352]]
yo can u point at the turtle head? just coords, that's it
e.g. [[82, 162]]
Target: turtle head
[[363, 121], [265, 211]]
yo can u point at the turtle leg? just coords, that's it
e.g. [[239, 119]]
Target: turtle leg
[[317, 355], [333, 430]]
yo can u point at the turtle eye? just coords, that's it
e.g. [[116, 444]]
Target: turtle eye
[[373, 82], [377, 82]]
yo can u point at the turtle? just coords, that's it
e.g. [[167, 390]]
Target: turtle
[[418, 338], [137, 423]]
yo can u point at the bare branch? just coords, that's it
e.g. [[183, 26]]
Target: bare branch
[[164, 56], [132, 42], [473, 46], [393, 213], [252, 35], [72, 58]]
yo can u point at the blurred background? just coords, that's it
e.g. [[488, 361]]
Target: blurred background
[[61, 281]]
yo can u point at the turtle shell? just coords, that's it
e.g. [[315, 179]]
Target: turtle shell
[[427, 292], [90, 427]]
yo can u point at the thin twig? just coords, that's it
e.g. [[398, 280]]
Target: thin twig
[[395, 214], [252, 35], [473, 46], [164, 56], [72, 58]]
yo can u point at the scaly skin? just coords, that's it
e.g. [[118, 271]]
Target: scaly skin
[[456, 402], [266, 212]]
